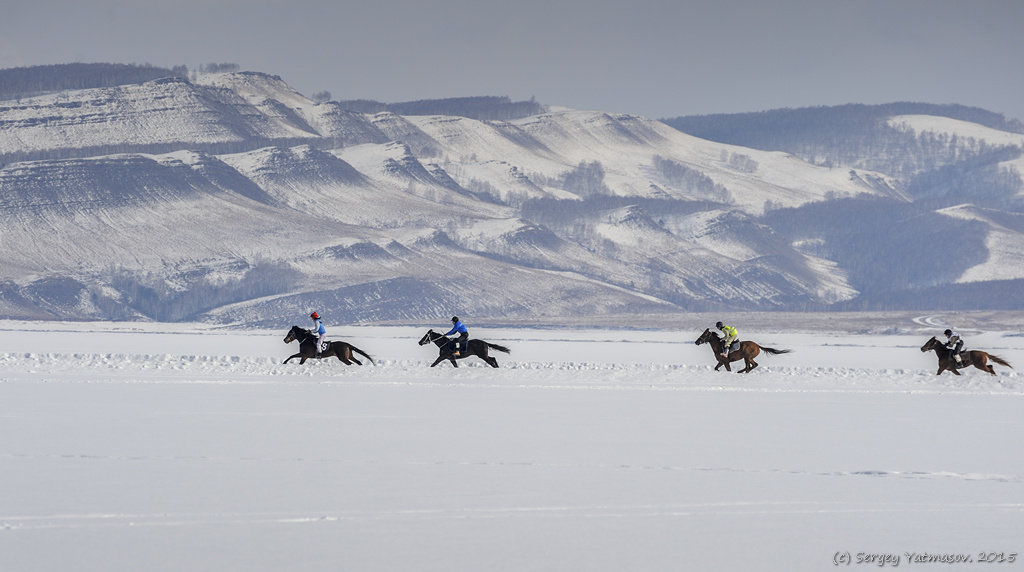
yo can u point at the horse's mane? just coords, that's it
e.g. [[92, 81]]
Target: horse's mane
[[937, 345]]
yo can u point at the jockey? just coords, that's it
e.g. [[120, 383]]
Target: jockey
[[463, 339], [320, 331], [731, 338], [954, 343]]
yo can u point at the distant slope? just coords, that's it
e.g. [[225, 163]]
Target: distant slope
[[863, 136], [792, 130], [484, 108], [35, 80]]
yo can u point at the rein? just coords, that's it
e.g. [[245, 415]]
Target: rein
[[436, 337]]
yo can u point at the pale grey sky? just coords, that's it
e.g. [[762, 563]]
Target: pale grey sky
[[659, 58]]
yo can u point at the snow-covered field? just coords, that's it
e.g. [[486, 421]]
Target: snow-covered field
[[129, 447]]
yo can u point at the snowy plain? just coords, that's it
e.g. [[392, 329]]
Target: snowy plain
[[133, 446]]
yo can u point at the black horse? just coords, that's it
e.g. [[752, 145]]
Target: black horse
[[446, 349], [307, 348]]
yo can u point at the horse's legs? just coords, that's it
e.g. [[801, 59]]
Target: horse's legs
[[486, 357], [751, 364], [438, 360], [983, 365], [294, 356], [740, 356], [754, 354], [452, 359], [344, 355]]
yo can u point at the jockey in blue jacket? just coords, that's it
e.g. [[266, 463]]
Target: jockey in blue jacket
[[463, 339], [320, 331]]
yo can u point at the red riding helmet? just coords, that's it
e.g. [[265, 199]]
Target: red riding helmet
[[315, 316]]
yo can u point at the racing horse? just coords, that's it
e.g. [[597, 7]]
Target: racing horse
[[747, 352], [446, 349], [307, 348], [977, 358]]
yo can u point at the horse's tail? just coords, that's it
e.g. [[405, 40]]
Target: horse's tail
[[362, 353], [774, 351], [999, 361], [498, 347]]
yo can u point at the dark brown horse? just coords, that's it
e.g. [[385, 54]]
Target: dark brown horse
[[446, 349], [747, 352], [978, 359], [307, 348]]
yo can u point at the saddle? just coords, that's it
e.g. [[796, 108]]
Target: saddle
[[453, 346]]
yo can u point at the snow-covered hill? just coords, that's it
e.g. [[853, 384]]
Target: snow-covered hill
[[235, 198]]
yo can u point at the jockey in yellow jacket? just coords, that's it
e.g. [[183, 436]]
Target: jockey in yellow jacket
[[731, 337]]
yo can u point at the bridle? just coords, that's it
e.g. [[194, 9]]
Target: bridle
[[936, 345], [302, 336], [708, 338], [432, 336]]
